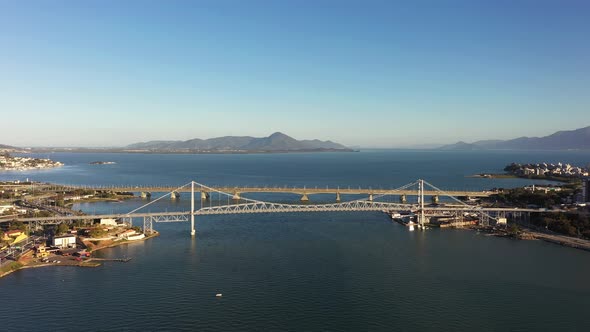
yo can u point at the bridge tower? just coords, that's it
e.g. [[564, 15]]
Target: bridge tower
[[403, 199], [148, 225], [192, 208], [421, 201]]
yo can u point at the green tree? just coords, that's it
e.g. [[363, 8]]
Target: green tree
[[513, 229], [62, 229], [97, 233], [59, 201], [18, 225]]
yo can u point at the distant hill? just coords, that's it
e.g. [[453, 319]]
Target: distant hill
[[273, 143], [4, 149], [460, 146], [578, 139]]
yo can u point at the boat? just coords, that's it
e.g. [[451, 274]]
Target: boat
[[218, 295]]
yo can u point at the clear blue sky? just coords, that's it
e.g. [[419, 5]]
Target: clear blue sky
[[365, 73]]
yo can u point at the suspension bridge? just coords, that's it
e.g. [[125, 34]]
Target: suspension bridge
[[227, 203]]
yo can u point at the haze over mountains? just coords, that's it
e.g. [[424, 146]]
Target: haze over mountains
[[578, 139], [275, 142]]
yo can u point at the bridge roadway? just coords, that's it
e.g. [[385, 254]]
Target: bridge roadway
[[290, 190], [248, 208], [102, 216]]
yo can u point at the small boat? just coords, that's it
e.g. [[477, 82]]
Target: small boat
[[218, 295]]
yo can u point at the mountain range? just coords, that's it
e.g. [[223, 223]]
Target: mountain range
[[578, 139], [273, 143]]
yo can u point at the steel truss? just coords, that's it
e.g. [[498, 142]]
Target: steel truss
[[149, 220], [266, 207]]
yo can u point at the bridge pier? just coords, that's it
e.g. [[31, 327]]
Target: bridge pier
[[146, 194], [304, 198], [337, 197], [370, 197], [434, 199], [174, 195], [236, 196], [403, 199], [204, 195]]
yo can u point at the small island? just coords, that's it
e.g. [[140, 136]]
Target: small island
[[102, 163]]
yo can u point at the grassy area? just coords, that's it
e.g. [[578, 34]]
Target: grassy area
[[116, 198]]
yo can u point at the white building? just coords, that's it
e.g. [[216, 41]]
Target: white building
[[13, 208], [108, 222], [126, 234], [4, 208], [65, 241]]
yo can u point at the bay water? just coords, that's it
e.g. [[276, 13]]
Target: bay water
[[303, 271]]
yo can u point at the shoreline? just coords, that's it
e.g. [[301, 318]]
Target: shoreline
[[524, 233], [562, 240], [26, 169], [86, 263], [529, 234], [514, 176], [493, 176]]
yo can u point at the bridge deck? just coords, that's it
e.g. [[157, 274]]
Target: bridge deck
[[290, 190], [281, 208]]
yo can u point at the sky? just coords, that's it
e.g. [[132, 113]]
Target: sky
[[361, 73]]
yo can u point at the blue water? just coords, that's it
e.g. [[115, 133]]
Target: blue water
[[304, 272], [377, 169]]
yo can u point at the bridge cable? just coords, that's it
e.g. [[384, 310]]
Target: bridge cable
[[444, 193], [253, 204], [157, 199]]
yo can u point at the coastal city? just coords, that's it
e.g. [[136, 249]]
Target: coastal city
[[548, 169], [10, 163], [49, 244]]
